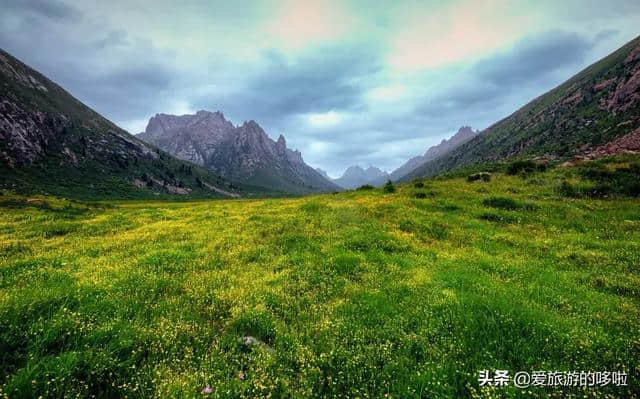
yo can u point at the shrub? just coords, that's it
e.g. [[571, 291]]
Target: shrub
[[621, 180], [389, 187], [481, 176], [420, 195], [568, 190], [497, 218], [516, 167], [312, 207], [366, 187], [502, 203], [407, 226], [525, 167], [346, 263], [418, 184], [437, 231]]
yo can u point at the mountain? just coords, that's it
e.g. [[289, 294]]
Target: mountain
[[324, 174], [355, 177], [464, 134], [240, 153], [52, 143], [599, 105]]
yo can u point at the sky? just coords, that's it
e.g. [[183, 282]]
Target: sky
[[347, 82]]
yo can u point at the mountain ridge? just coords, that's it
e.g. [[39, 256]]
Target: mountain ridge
[[356, 176], [464, 134], [53, 143], [243, 153], [594, 107]]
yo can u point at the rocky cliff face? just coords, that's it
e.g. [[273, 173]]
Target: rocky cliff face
[[324, 174], [241, 153], [464, 134], [50, 142], [355, 176]]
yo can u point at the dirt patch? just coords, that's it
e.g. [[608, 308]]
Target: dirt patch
[[221, 191]]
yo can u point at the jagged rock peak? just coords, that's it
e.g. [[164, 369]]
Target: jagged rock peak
[[217, 114], [324, 173], [465, 132], [281, 141], [243, 153], [281, 145]]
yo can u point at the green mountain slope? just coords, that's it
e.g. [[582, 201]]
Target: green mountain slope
[[595, 107], [52, 143]]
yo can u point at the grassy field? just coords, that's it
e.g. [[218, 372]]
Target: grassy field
[[357, 294]]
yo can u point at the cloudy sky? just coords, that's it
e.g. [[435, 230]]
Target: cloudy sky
[[346, 82]]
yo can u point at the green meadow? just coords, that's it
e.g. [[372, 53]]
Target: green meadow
[[367, 293]]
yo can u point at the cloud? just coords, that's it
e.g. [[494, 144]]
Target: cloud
[[523, 71], [300, 23], [47, 9], [453, 32], [317, 82], [534, 58], [325, 119]]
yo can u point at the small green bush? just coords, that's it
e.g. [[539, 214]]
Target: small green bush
[[568, 190], [620, 181], [312, 207], [502, 203], [407, 226], [418, 184], [497, 218], [366, 187], [525, 167], [389, 187], [481, 177]]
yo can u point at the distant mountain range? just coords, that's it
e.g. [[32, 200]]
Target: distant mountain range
[[242, 154], [52, 143], [463, 135], [595, 112], [355, 176]]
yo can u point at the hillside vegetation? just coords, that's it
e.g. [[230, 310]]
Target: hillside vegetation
[[367, 293], [51, 143]]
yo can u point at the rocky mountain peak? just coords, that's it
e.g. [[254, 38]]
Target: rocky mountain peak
[[281, 145], [324, 173], [242, 153], [464, 134]]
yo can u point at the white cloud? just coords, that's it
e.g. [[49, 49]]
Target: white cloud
[[326, 119], [300, 23], [461, 30], [388, 93]]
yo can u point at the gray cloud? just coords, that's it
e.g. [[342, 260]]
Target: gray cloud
[[534, 58], [48, 9], [511, 77], [330, 79]]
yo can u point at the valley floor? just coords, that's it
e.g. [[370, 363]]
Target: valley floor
[[357, 294]]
